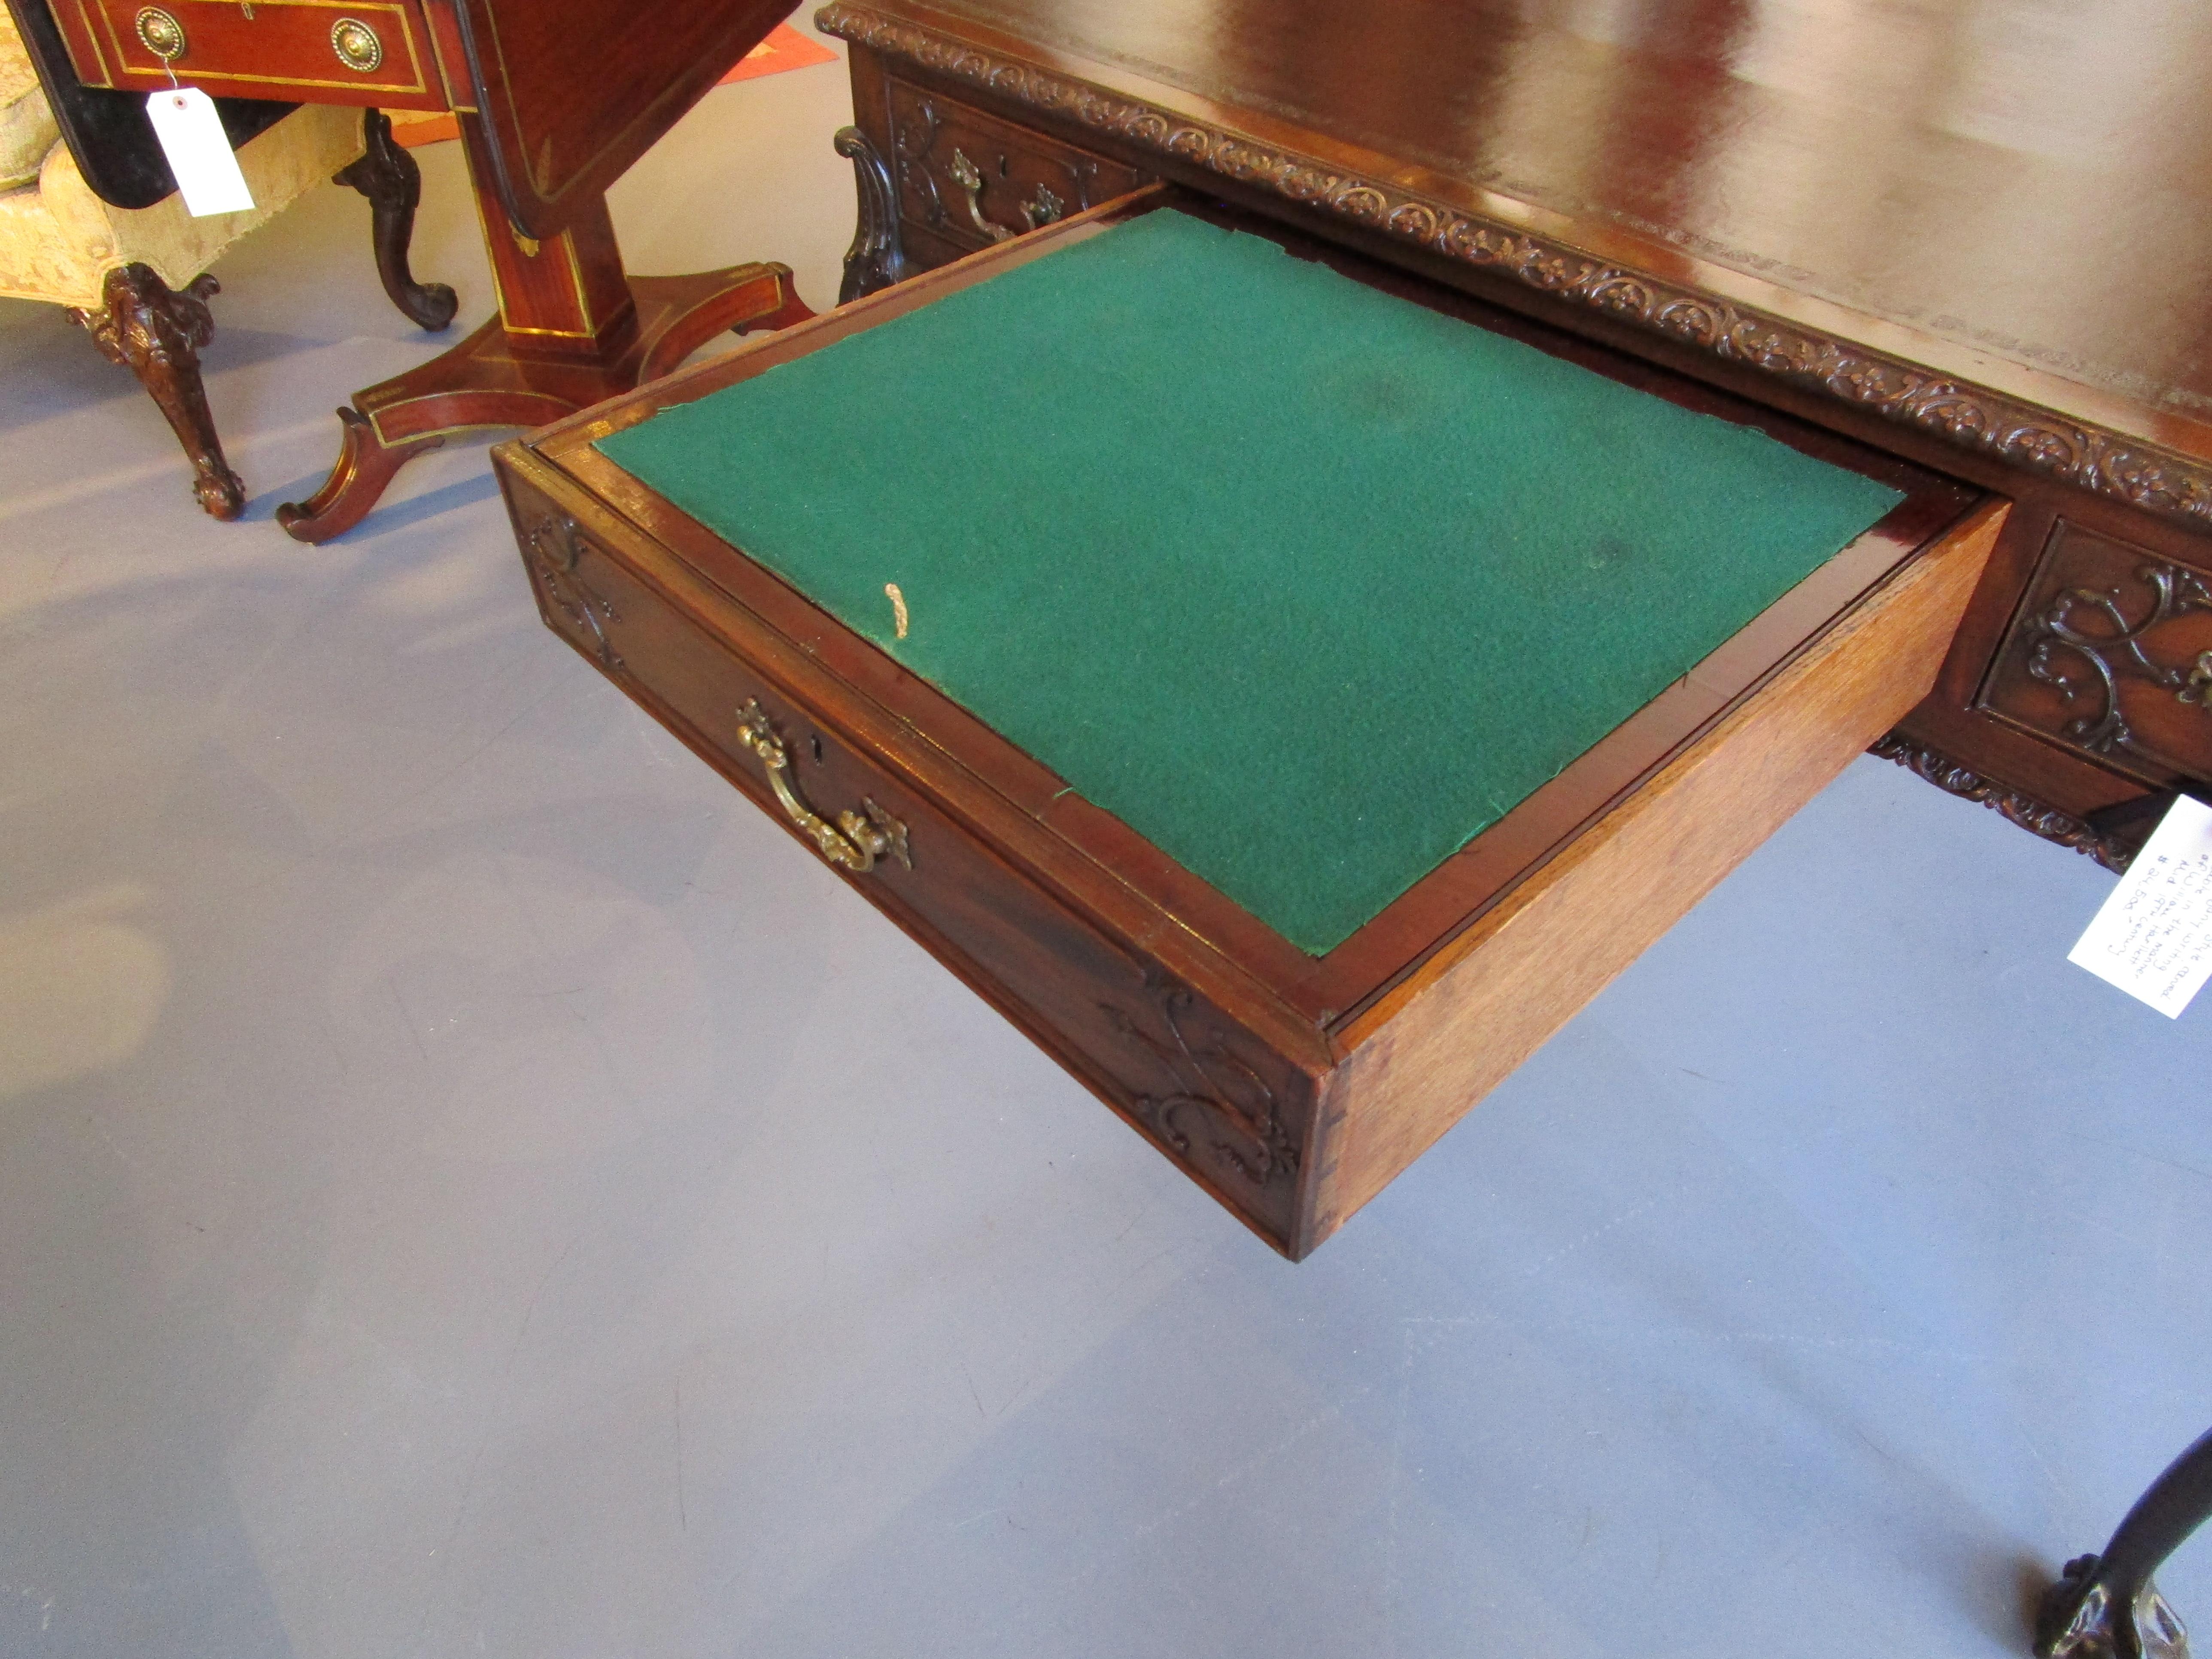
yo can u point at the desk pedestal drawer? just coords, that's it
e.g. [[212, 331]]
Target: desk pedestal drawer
[[1213, 1096], [1292, 1081]]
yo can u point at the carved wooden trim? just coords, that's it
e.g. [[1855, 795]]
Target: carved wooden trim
[[1219, 1104], [2027, 812], [2058, 651], [1973, 417], [552, 548], [157, 332]]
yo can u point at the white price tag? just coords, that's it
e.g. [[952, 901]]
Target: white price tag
[[2153, 936], [199, 151]]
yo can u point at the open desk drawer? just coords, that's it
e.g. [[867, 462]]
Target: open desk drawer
[[1295, 1046]]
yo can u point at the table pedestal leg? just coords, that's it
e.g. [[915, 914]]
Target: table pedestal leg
[[2106, 1607], [573, 330]]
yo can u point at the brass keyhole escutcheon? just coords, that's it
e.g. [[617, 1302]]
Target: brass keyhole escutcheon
[[356, 45], [161, 34]]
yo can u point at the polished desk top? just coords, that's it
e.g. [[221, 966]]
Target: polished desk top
[[2014, 194]]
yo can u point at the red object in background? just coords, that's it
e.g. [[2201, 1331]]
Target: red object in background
[[785, 49]]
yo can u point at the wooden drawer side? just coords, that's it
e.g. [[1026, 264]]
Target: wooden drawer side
[[1422, 1060], [1219, 1101]]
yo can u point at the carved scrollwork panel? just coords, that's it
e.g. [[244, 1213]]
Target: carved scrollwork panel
[[552, 547], [2107, 655], [2107, 463], [1212, 1104]]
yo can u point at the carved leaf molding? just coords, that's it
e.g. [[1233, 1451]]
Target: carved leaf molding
[[1220, 1103], [2105, 463], [1936, 768]]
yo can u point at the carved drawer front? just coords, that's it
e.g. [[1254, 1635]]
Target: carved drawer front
[[2111, 655], [974, 180], [358, 51], [1218, 1102]]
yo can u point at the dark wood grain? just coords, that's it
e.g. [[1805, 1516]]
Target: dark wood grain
[[1935, 182]]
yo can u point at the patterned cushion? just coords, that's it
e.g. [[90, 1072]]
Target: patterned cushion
[[26, 125]]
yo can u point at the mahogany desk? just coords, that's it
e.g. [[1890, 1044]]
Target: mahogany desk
[[554, 100], [1979, 238]]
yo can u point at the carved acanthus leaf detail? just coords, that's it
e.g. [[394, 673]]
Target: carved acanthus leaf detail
[[2029, 814]]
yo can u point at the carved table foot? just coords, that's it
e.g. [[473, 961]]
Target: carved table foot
[[157, 332], [388, 176], [492, 380], [2104, 1606]]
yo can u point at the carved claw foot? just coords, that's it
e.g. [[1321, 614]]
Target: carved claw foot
[[2078, 1620], [157, 332], [387, 175]]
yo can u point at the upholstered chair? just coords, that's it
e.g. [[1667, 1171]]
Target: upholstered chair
[[138, 279]]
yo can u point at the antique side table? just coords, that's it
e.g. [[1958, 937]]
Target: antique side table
[[554, 100]]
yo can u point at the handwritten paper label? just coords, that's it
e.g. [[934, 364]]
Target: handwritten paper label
[[2153, 936], [199, 151]]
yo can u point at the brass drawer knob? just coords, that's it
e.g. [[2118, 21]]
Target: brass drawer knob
[[161, 34], [356, 45], [855, 841]]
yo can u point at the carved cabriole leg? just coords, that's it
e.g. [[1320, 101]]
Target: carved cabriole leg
[[875, 259], [387, 175], [2106, 1607], [157, 332]]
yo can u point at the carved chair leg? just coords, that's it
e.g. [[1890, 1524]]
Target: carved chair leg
[[2104, 1606], [157, 333], [387, 175], [875, 259]]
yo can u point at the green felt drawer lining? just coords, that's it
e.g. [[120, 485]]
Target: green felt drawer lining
[[1306, 583]]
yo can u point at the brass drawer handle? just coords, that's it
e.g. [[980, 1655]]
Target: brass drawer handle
[[161, 33], [356, 45], [1045, 211], [2198, 690], [854, 842]]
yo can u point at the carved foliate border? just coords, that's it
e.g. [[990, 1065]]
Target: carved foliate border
[[2092, 458], [2030, 814]]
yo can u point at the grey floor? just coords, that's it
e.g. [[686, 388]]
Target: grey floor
[[471, 1185]]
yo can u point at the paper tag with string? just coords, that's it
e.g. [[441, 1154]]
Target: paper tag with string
[[2153, 936], [186, 121]]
